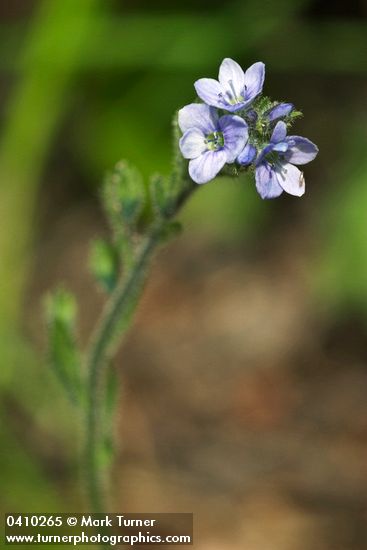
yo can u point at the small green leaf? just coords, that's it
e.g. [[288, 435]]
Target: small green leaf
[[61, 307], [160, 195], [62, 349], [124, 197], [104, 264]]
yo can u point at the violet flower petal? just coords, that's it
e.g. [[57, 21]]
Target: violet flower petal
[[254, 79], [279, 111], [235, 133], [266, 182], [205, 167], [281, 147], [230, 73], [192, 143], [290, 178], [300, 150], [279, 132], [210, 91], [198, 115], [247, 155]]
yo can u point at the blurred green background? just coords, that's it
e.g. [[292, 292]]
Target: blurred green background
[[244, 378]]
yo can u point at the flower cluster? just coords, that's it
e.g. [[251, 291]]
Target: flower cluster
[[238, 126]]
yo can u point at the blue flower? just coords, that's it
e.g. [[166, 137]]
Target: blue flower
[[275, 171], [209, 141], [279, 111], [236, 89], [247, 155]]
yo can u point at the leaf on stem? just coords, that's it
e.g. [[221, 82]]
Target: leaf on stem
[[161, 195], [104, 263], [124, 198], [63, 353]]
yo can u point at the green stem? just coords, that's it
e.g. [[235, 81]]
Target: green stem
[[114, 322], [117, 313]]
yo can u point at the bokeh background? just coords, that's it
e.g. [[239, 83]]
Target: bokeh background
[[244, 379]]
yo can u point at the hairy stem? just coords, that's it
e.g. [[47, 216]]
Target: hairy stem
[[117, 313], [114, 322]]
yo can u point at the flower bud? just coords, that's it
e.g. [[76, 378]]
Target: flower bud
[[279, 111]]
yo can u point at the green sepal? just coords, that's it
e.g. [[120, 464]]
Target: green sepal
[[104, 263], [63, 353], [292, 117], [263, 104]]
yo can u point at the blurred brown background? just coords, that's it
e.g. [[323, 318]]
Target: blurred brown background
[[243, 381]]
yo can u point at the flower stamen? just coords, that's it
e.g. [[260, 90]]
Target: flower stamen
[[232, 95], [215, 141]]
